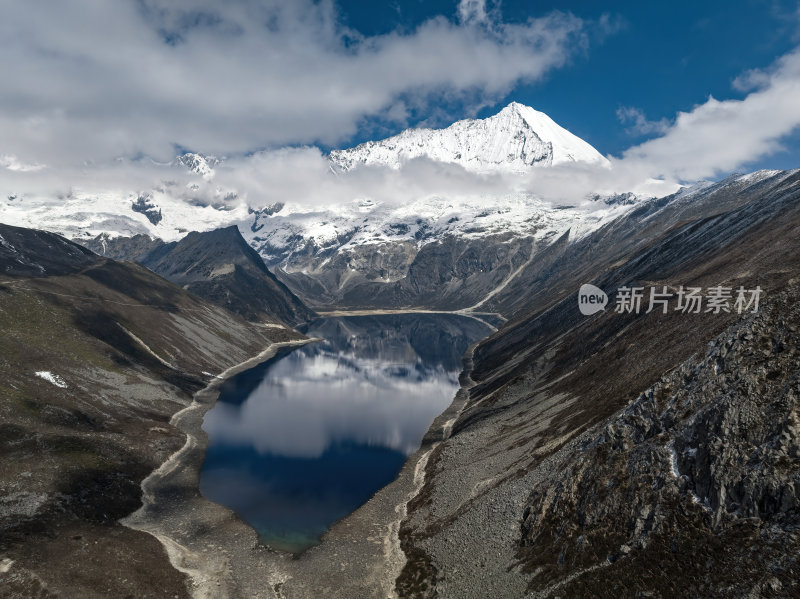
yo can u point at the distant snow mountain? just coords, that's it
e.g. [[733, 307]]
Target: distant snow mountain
[[515, 139], [365, 251], [197, 163], [301, 239], [450, 250]]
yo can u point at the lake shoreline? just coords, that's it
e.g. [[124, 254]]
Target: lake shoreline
[[171, 496], [361, 554]]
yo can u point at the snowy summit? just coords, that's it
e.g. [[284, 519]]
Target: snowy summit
[[197, 163], [515, 139]]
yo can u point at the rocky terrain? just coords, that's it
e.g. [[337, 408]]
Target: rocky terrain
[[690, 489], [630, 455], [95, 357], [449, 273]]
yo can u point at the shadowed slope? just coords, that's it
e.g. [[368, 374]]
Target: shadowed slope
[[92, 366], [217, 265], [551, 485]]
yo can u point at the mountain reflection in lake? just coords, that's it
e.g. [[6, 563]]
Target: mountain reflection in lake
[[304, 440]]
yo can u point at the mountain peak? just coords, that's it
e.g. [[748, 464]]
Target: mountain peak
[[515, 107], [221, 267], [197, 163], [31, 253], [515, 139], [567, 147]]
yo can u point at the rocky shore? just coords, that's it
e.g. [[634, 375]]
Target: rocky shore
[[361, 556]]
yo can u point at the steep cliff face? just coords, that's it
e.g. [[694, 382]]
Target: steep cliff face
[[693, 487], [132, 249], [449, 273]]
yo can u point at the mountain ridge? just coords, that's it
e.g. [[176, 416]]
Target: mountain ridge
[[217, 265]]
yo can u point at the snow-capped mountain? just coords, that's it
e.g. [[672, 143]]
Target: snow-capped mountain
[[299, 239], [341, 253], [367, 254], [515, 139], [197, 163]]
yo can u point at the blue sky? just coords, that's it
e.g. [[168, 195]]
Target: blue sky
[[657, 57]]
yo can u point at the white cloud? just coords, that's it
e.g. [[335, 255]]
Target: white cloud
[[751, 80], [12, 163], [94, 81], [90, 81], [719, 136], [639, 125], [472, 11]]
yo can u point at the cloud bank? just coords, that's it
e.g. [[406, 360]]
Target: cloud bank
[[87, 81], [100, 98]]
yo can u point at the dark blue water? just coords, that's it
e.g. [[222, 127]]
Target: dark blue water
[[302, 441]]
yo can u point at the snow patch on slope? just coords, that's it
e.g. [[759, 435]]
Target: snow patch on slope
[[52, 378], [86, 215], [197, 163]]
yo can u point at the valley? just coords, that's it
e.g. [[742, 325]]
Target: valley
[[379, 400]]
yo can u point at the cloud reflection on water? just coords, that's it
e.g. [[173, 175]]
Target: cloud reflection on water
[[301, 442], [314, 398]]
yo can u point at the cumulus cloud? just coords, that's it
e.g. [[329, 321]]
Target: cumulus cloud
[[719, 136], [473, 11], [304, 175], [93, 81], [712, 139]]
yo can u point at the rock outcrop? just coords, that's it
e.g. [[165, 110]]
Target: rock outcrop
[[693, 487]]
